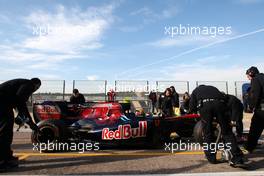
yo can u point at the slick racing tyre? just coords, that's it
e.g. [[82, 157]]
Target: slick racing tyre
[[198, 132], [50, 131]]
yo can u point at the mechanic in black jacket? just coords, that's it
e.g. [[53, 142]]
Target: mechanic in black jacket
[[13, 94], [166, 103], [256, 102], [175, 96], [210, 103], [236, 108], [77, 97]]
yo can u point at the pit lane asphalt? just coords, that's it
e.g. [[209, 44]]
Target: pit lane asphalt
[[121, 161]]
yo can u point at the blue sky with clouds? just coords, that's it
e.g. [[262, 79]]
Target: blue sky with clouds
[[126, 39]]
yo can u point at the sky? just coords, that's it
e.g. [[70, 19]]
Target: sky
[[130, 39]]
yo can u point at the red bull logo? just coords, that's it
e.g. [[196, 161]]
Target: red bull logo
[[47, 112], [126, 132], [46, 109]]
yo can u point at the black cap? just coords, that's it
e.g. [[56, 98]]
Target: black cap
[[36, 81], [75, 91], [252, 71]]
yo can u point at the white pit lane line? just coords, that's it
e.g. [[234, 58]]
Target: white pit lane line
[[246, 173]]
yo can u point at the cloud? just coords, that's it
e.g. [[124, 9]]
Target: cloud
[[131, 28], [68, 29], [209, 68], [92, 77], [65, 34], [4, 19], [149, 16], [184, 41]]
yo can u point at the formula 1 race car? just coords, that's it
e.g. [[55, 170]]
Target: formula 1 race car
[[105, 123]]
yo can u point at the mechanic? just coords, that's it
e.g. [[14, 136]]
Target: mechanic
[[14, 94], [209, 101], [245, 100], [166, 103], [256, 102], [185, 103], [77, 97], [153, 99], [175, 96], [235, 108]]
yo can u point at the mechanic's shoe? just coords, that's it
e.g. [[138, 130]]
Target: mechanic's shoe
[[211, 158], [237, 162], [2, 166], [6, 166], [12, 162]]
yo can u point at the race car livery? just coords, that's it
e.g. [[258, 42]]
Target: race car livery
[[106, 123]]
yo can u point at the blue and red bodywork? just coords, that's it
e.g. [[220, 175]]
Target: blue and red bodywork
[[107, 123]]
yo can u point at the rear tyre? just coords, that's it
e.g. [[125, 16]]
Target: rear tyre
[[199, 136], [50, 131], [198, 132]]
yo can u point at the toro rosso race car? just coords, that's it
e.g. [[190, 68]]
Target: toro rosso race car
[[105, 123]]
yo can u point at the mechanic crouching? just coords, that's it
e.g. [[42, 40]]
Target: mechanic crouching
[[210, 103], [14, 94], [166, 103]]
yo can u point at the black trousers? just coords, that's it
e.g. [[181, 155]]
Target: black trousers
[[167, 112], [153, 106], [237, 116], [256, 128], [218, 109], [6, 132]]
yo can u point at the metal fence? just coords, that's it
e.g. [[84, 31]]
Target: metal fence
[[180, 86], [93, 90], [221, 85], [96, 90], [50, 90], [131, 90]]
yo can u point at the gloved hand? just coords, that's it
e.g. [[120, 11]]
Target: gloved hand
[[233, 123], [33, 127]]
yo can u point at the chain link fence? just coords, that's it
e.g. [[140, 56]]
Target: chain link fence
[[93, 90], [180, 86], [134, 92], [131, 90], [53, 90], [138, 90]]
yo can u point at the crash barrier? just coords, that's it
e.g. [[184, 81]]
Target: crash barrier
[[221, 85], [92, 90]]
